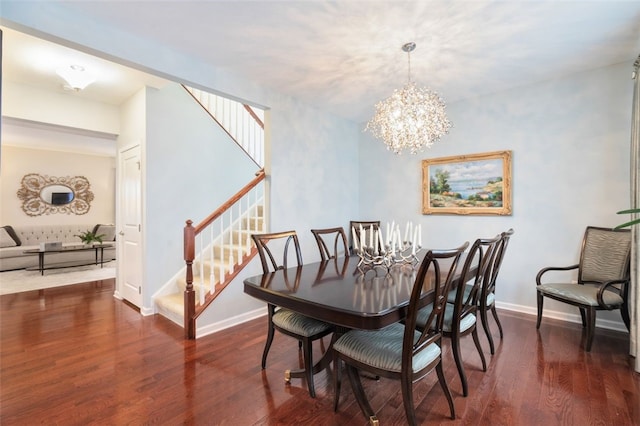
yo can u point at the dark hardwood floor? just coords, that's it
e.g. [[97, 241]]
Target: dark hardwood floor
[[76, 356]]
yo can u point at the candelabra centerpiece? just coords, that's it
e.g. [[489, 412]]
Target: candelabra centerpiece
[[376, 248]]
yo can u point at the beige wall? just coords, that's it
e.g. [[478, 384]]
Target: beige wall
[[17, 161]]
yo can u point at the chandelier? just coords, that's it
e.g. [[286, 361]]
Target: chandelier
[[411, 118]]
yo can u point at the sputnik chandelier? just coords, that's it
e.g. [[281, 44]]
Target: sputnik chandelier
[[411, 118]]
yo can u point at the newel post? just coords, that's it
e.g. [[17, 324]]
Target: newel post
[[189, 294]]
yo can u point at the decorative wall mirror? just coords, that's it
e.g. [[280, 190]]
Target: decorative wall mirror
[[43, 194]]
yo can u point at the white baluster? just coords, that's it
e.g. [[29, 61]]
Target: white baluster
[[221, 242]]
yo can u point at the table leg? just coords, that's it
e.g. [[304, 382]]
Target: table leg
[[41, 262]]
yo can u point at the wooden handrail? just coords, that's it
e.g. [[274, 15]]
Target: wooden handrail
[[254, 115], [231, 201]]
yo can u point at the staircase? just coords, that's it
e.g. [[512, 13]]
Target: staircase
[[216, 249], [219, 260]]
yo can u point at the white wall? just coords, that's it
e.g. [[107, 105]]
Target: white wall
[[191, 168], [570, 140], [17, 162], [34, 104]]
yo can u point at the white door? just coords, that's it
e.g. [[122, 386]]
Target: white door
[[130, 232]]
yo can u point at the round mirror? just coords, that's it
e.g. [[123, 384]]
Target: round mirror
[[57, 195]]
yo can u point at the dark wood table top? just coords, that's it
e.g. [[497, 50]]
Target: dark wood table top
[[335, 291]]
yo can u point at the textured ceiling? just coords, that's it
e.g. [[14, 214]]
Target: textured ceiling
[[344, 56]]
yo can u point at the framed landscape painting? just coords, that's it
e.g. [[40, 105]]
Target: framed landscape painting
[[467, 184]]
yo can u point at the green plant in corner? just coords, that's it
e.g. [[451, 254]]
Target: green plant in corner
[[89, 237], [630, 223]]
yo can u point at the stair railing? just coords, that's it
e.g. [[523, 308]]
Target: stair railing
[[247, 130], [222, 242]]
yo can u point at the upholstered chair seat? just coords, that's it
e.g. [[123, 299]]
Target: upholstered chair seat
[[491, 298], [298, 324], [585, 294], [447, 325], [383, 348]]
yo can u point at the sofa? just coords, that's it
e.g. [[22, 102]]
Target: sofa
[[14, 240]]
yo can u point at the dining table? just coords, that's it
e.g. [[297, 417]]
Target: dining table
[[341, 292]]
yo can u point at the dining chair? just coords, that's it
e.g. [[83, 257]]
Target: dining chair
[[487, 299], [288, 322], [337, 240], [460, 316], [367, 226], [399, 351], [602, 278]]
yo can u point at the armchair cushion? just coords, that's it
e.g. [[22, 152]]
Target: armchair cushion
[[382, 348], [586, 294], [298, 323]]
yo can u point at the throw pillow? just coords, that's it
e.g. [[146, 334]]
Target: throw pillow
[[109, 232], [8, 237]]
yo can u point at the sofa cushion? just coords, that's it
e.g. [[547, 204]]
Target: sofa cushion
[[109, 231], [17, 251], [8, 237]]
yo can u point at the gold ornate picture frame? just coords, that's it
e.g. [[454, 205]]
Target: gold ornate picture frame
[[36, 192], [467, 184]]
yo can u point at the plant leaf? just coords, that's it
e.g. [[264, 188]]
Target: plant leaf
[[629, 211], [626, 224]]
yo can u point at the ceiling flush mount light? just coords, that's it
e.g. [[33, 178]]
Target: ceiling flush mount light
[[411, 118], [76, 77]]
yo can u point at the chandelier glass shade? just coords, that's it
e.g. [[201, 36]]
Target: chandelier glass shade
[[411, 118]]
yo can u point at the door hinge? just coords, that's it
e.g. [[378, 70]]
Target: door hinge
[[139, 290], [139, 228], [138, 163]]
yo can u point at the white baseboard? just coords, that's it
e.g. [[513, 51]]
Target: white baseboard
[[562, 316], [230, 322], [146, 311]]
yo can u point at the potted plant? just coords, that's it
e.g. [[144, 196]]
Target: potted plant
[[89, 237], [630, 223]]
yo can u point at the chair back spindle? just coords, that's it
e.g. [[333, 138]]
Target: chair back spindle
[[331, 238], [267, 258]]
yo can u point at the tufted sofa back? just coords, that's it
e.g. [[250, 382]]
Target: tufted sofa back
[[34, 235]]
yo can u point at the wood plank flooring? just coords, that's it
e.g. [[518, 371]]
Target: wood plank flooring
[[76, 356]]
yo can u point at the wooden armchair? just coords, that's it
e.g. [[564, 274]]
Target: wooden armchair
[[602, 281]]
